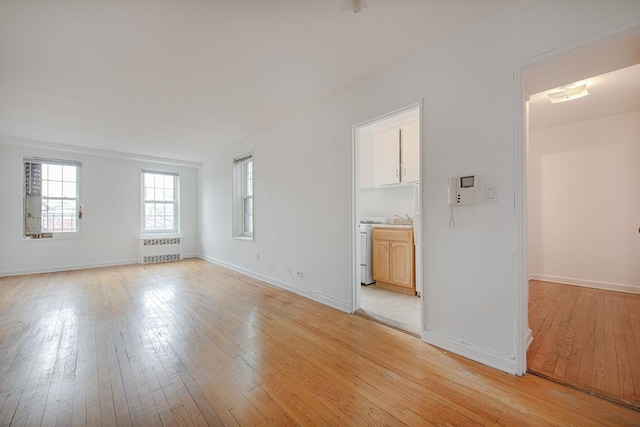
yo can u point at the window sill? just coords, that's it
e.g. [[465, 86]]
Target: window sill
[[43, 239], [159, 235], [243, 238]]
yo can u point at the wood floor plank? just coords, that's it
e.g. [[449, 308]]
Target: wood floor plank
[[600, 352], [192, 343]]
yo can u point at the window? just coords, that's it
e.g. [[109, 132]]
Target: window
[[243, 197], [51, 198], [160, 202]]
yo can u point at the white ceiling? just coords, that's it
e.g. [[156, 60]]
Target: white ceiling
[[613, 93], [609, 66], [179, 78]]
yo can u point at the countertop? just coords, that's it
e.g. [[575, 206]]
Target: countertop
[[408, 226]]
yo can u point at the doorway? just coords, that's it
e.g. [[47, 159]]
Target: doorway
[[387, 219], [583, 243]]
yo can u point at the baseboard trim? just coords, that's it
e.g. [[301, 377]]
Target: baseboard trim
[[618, 287], [315, 296], [53, 269], [497, 361]]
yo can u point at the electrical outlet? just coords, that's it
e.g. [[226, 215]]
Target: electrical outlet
[[289, 271], [299, 274]]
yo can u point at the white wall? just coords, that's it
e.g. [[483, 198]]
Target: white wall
[[586, 213], [111, 217], [387, 202], [303, 176]]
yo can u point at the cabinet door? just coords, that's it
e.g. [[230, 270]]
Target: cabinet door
[[381, 260], [401, 263], [410, 134], [386, 157]]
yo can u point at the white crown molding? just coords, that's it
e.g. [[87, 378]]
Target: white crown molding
[[45, 145]]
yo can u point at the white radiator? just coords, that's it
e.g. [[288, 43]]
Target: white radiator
[[160, 249]]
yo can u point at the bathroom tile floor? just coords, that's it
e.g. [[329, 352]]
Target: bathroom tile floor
[[393, 308]]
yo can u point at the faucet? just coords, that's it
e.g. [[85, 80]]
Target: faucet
[[408, 220]]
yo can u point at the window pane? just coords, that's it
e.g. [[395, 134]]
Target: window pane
[[159, 193], [168, 223], [168, 182], [248, 206], [248, 224], [248, 216], [69, 173], [51, 215], [59, 186], [54, 189], [69, 190], [68, 223], [159, 223], [249, 178], [148, 180], [55, 173], [168, 194], [69, 215], [149, 223]]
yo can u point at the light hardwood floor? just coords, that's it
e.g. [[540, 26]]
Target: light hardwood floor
[[588, 338], [191, 343]]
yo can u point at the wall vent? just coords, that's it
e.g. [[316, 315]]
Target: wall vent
[[160, 249]]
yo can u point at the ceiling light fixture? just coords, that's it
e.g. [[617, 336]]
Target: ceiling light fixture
[[568, 93], [354, 5]]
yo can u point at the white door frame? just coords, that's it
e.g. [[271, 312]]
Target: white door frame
[[520, 273], [355, 209]]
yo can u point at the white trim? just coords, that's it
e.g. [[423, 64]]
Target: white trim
[[238, 197], [521, 290], [503, 363], [355, 202], [45, 145], [60, 235], [607, 286], [315, 296], [53, 269], [177, 228], [355, 220]]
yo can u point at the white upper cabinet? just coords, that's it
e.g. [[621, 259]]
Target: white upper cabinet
[[386, 157], [410, 142], [396, 154]]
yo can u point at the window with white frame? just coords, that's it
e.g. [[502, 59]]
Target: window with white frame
[[51, 198], [160, 210], [243, 196]]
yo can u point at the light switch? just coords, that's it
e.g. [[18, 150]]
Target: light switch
[[491, 194]]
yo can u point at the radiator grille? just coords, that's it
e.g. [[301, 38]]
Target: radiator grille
[[160, 249]]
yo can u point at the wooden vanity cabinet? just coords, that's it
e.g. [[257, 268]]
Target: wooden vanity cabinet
[[394, 259]]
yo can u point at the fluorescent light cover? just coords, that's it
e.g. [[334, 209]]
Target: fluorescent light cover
[[568, 93], [354, 5]]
